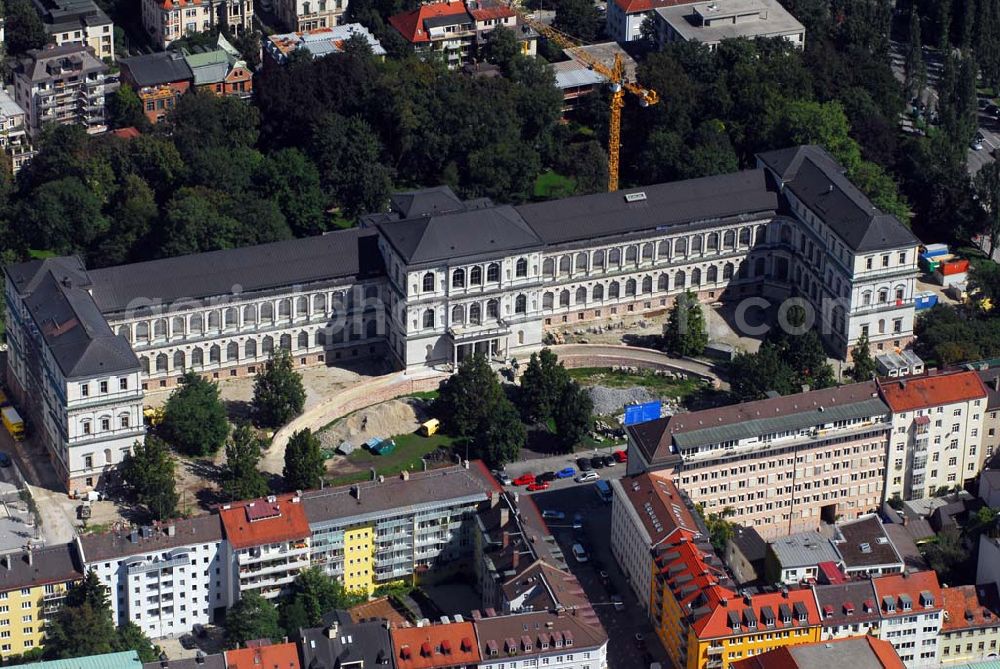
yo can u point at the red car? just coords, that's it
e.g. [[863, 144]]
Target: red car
[[541, 485], [620, 456], [525, 479]]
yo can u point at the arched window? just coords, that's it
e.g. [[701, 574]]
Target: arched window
[[745, 237], [267, 312], [285, 342], [521, 268], [883, 295], [493, 309], [230, 317], [663, 250], [547, 300], [249, 314], [712, 274], [785, 235], [647, 284], [250, 348], [564, 298], [598, 259], [179, 361], [476, 276], [215, 354], [680, 279], [160, 328], [285, 308], [493, 272], [232, 351], [696, 244], [598, 293], [458, 278], [581, 261], [458, 314], [727, 271], [196, 324], [429, 318], [681, 246], [549, 267], [320, 338], [301, 306], [630, 287], [161, 362], [142, 331], [581, 295], [303, 341], [197, 357], [696, 277], [614, 257], [144, 364], [613, 289], [214, 320], [900, 292], [125, 331], [371, 328], [729, 240], [319, 304], [475, 314], [647, 251], [663, 283], [267, 346], [428, 286], [759, 268], [866, 297], [632, 255], [564, 265], [520, 304], [881, 326]]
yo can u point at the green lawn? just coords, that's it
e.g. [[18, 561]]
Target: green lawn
[[551, 185], [660, 385], [410, 448], [40, 254]]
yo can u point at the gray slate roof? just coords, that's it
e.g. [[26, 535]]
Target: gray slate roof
[[161, 67], [55, 292], [850, 536], [335, 255], [819, 182], [665, 206], [203, 529], [369, 644], [425, 202], [843, 596], [35, 66], [54, 564], [803, 549], [213, 661], [750, 543]]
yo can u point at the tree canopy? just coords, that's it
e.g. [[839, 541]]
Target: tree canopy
[[278, 394], [684, 333], [304, 463], [241, 479], [148, 473], [252, 617], [194, 419]]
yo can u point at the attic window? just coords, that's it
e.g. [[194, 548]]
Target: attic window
[[906, 602], [446, 646], [425, 649], [404, 652], [849, 608], [466, 644], [926, 599]]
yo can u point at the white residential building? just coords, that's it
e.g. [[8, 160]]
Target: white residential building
[[540, 639], [79, 21], [166, 578], [711, 22], [302, 15], [169, 20], [14, 132], [911, 608], [937, 429], [624, 18]]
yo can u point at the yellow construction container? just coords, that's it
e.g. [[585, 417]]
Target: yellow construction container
[[430, 427], [12, 421]]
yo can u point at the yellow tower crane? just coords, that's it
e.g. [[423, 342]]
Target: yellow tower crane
[[615, 75]]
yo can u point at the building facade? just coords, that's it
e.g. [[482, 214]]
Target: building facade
[[33, 586], [911, 611], [159, 79], [14, 138], [169, 20], [66, 85], [79, 22], [165, 578], [970, 631], [305, 15], [709, 23], [624, 18], [937, 428]]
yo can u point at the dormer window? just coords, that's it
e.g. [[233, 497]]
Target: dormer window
[[927, 599], [906, 603]]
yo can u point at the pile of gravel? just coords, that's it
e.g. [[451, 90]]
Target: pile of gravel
[[612, 401]]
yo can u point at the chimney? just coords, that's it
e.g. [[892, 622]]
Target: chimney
[[504, 515], [906, 519], [515, 560], [356, 492], [404, 475], [506, 539], [996, 383], [199, 657], [331, 631], [31, 557], [6, 561]]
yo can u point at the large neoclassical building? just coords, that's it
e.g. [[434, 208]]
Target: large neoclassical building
[[438, 278]]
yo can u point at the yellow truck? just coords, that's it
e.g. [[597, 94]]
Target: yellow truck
[[12, 421]]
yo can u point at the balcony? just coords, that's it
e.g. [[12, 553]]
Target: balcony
[[715, 651]]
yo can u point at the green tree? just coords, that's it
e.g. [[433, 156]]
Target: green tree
[[501, 438], [720, 529], [572, 415], [587, 162], [684, 333], [289, 179], [864, 367], [148, 474], [133, 214], [194, 420], [947, 555], [278, 394], [24, 29], [125, 109], [313, 595], [501, 48], [241, 479], [131, 637], [914, 66], [65, 216], [88, 590], [352, 171], [304, 464], [505, 170], [577, 18], [252, 617], [542, 385], [753, 374], [986, 184]]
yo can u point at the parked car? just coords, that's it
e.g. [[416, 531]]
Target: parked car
[[977, 143], [538, 485], [609, 461], [992, 111], [566, 473], [580, 553], [578, 521], [546, 476], [620, 456], [587, 477], [597, 462], [5, 460], [550, 514], [584, 464], [502, 477], [525, 479], [188, 642]]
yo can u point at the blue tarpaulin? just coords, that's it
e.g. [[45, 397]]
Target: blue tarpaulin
[[642, 413]]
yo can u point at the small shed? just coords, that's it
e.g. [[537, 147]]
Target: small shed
[[345, 448], [429, 427]]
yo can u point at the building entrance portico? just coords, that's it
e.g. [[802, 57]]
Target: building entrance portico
[[488, 342]]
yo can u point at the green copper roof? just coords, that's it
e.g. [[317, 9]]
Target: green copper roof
[[128, 659]]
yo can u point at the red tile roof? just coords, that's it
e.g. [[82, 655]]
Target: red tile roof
[[126, 133], [487, 13], [637, 6], [970, 607], [411, 24], [448, 645], [933, 390], [804, 656], [659, 505], [278, 656], [264, 521], [895, 591]]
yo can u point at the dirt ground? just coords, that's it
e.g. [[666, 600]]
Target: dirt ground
[[382, 420]]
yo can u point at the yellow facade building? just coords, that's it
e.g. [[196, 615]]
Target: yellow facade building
[[359, 556], [32, 588]]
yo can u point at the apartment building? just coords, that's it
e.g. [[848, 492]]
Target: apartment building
[[159, 79], [781, 464], [14, 138], [169, 20], [76, 382], [444, 646], [65, 85], [78, 22], [345, 643], [970, 631], [556, 639], [306, 15], [262, 653], [911, 608], [990, 376], [624, 18], [865, 548], [317, 43], [399, 529], [646, 511], [165, 578], [858, 652], [33, 586], [937, 428], [709, 23], [849, 609], [797, 557], [267, 544]]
